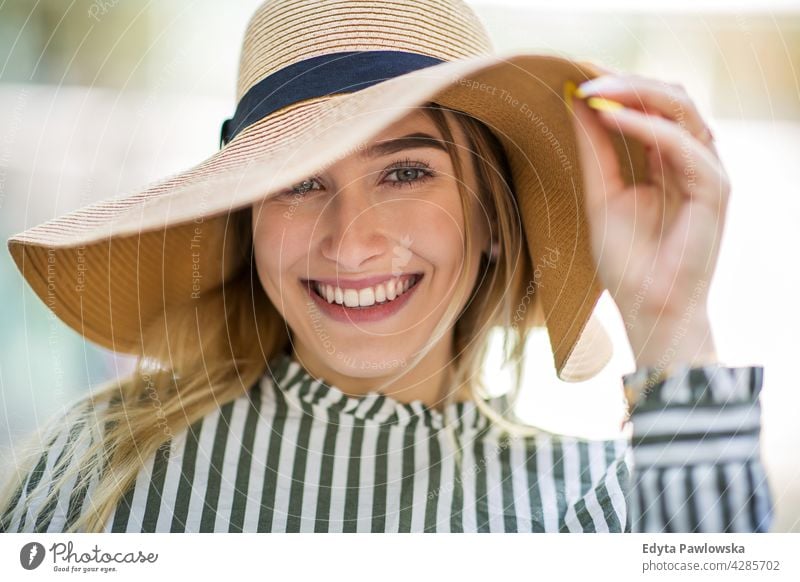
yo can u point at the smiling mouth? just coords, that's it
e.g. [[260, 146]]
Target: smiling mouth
[[368, 297]]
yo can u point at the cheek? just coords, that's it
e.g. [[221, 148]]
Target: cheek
[[278, 244], [437, 232]]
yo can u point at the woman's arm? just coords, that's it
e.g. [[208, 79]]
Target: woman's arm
[[656, 243], [696, 454]]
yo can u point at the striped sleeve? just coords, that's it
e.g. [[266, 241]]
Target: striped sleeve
[[695, 440], [39, 504]]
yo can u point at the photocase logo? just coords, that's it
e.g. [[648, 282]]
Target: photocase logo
[[401, 255], [31, 555]]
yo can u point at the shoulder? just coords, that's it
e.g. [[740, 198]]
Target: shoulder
[[47, 486]]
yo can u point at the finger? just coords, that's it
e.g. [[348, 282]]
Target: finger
[[691, 164], [598, 159], [652, 96]]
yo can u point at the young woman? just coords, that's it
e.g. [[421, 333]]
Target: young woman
[[312, 305]]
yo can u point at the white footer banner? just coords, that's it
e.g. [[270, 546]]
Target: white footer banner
[[350, 557]]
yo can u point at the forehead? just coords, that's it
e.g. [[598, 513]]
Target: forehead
[[418, 122], [418, 119]]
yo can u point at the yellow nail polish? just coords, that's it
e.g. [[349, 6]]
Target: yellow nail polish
[[603, 104], [579, 93], [569, 91]]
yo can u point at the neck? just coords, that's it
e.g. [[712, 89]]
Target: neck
[[425, 382]]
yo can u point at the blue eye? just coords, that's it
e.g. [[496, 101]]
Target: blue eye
[[303, 187], [408, 173]]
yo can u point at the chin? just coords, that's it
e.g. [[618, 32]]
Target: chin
[[367, 365]]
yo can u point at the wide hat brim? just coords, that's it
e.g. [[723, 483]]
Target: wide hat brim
[[108, 268]]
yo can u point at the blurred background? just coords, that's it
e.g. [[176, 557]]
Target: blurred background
[[99, 97]]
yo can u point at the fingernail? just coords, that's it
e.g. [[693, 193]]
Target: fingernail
[[569, 91], [597, 85], [603, 104]]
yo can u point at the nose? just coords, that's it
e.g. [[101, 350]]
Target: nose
[[353, 233]]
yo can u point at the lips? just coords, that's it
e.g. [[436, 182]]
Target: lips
[[363, 297], [361, 314]]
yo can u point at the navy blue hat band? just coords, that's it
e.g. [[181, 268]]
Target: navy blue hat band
[[343, 72]]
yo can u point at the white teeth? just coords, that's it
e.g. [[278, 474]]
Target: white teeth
[[388, 291], [366, 297], [350, 298]]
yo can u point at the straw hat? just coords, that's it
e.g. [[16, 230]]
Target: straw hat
[[316, 79]]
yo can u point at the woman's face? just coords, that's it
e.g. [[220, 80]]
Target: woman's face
[[362, 259]]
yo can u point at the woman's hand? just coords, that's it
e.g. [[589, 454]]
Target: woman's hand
[[655, 243]]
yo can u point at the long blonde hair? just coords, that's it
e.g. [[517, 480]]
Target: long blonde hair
[[198, 357]]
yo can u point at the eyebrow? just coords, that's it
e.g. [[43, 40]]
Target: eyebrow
[[413, 140]]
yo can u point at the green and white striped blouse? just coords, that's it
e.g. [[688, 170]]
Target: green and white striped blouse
[[295, 454]]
